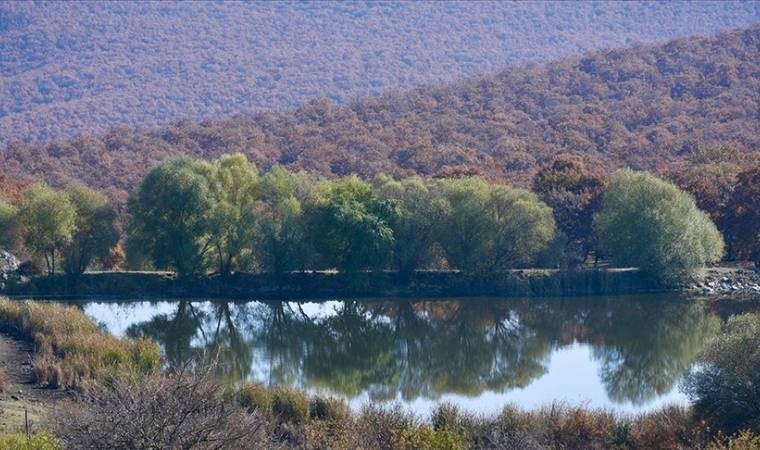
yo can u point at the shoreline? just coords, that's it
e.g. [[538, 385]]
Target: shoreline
[[329, 285]]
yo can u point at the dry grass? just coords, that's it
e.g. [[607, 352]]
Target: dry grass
[[71, 351]]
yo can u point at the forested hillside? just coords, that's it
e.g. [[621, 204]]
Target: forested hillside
[[643, 107], [68, 68]]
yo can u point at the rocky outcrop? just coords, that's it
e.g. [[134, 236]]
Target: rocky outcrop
[[740, 282], [8, 267]]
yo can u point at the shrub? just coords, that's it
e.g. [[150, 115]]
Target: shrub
[[177, 410], [380, 428], [427, 438], [745, 440], [724, 387], [328, 408], [38, 441], [290, 405], [255, 397]]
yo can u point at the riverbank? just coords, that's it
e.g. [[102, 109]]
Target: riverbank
[[327, 285]]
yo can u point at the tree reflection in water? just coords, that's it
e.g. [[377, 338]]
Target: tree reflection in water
[[426, 349]]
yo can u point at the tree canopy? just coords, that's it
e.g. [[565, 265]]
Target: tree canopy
[[649, 223], [48, 222]]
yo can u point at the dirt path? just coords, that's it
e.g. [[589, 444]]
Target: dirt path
[[21, 393]]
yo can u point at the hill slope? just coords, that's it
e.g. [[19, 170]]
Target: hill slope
[[642, 107], [80, 67]]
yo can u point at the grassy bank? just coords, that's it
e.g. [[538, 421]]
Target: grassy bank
[[319, 285], [71, 350]]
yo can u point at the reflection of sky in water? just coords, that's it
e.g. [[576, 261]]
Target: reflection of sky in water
[[573, 371]]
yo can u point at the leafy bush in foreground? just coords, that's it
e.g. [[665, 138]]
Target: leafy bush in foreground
[[725, 389], [37, 441]]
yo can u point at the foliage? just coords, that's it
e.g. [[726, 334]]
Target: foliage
[[95, 232], [492, 227], [349, 225], [8, 224], [71, 350], [48, 221], [723, 388], [572, 186], [170, 216], [419, 210], [177, 410], [649, 223], [290, 405], [641, 107], [744, 214], [234, 189], [280, 239], [38, 441]]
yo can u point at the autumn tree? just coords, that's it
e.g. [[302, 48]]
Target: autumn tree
[[649, 223], [48, 222], [744, 215], [170, 216], [95, 232], [572, 186], [350, 225], [710, 176]]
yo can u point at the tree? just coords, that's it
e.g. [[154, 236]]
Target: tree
[[48, 221], [350, 225], [710, 175], [95, 232], [234, 189], [8, 222], [524, 226], [649, 223], [572, 186], [170, 216], [491, 227], [419, 210], [466, 226], [724, 387], [280, 238], [744, 215]]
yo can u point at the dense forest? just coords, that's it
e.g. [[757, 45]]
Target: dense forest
[[81, 67], [644, 107]]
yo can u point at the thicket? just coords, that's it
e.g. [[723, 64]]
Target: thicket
[[198, 217]]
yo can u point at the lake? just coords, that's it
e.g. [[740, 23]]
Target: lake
[[624, 353]]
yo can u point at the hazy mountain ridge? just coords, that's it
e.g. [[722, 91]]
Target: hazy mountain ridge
[[643, 107], [77, 67]]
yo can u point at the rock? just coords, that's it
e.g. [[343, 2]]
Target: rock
[[707, 290], [725, 280], [711, 284], [8, 263], [14, 397]]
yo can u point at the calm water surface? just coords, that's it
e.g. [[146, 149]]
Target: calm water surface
[[624, 353]]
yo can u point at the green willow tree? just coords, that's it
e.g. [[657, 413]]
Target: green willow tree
[[8, 225], [48, 222], [280, 240], [418, 211], [350, 225], [234, 184], [95, 232], [649, 223], [170, 216], [489, 228]]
